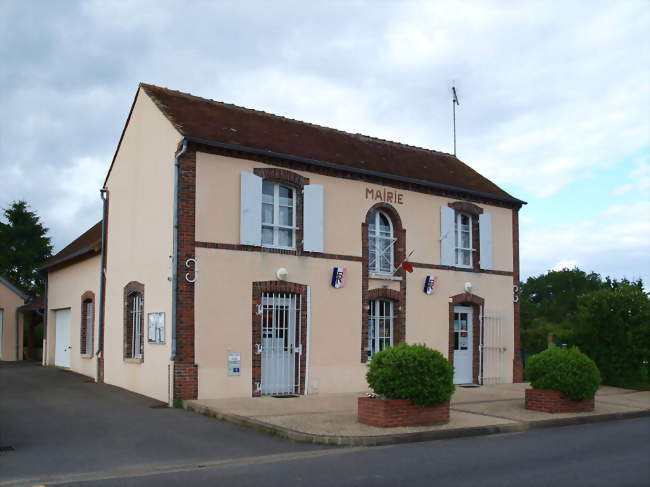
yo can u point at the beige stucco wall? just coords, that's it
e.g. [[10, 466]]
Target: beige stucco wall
[[345, 208], [9, 301], [139, 246], [64, 289], [223, 291]]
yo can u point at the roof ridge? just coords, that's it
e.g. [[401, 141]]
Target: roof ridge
[[295, 120]]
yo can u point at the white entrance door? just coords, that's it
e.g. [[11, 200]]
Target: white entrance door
[[280, 312], [463, 345], [62, 351]]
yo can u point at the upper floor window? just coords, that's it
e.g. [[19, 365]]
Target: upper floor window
[[463, 239], [278, 215], [380, 243]]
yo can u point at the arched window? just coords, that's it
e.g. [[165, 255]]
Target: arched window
[[134, 321], [380, 325], [380, 243]]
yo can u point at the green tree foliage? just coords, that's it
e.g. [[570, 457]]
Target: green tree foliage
[[413, 372], [566, 370], [548, 301], [24, 246], [612, 325]]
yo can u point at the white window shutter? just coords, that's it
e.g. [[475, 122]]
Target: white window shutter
[[250, 223], [485, 231], [447, 240], [314, 218]]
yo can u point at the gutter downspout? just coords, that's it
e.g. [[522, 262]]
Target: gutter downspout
[[175, 244], [44, 354], [102, 277]]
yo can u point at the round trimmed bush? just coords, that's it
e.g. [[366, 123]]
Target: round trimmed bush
[[566, 370], [414, 372]]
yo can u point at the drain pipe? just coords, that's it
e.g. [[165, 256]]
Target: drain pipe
[[177, 170], [102, 274]]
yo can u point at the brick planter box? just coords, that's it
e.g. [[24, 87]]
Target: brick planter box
[[550, 401], [388, 413]]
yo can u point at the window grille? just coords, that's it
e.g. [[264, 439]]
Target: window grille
[[278, 215], [135, 328], [281, 345], [90, 319], [380, 243], [380, 325]]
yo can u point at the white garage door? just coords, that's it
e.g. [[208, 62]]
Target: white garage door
[[62, 350]]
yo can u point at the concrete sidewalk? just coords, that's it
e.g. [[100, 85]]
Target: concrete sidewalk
[[332, 418]]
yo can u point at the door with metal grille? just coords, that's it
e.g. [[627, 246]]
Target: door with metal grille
[[494, 366], [280, 347]]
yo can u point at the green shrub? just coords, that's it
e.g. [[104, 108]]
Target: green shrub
[[566, 370], [413, 372]]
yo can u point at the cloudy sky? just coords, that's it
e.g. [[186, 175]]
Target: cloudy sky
[[554, 98]]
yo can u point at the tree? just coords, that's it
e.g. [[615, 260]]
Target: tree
[[24, 246], [549, 300], [612, 326]]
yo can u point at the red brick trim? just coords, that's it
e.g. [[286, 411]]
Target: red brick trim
[[518, 363], [551, 401], [281, 175], [185, 370], [466, 207], [389, 413], [258, 288], [399, 325], [86, 297], [343, 174], [474, 302], [130, 288], [385, 293], [255, 248], [460, 269]]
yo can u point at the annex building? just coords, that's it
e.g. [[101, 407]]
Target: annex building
[[242, 253]]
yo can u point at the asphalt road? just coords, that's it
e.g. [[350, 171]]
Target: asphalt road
[[139, 446]]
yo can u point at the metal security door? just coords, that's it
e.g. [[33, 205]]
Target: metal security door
[[281, 345], [62, 350], [463, 345], [494, 369]]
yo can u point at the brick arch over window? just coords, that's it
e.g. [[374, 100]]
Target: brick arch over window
[[281, 175], [476, 303], [399, 297], [86, 331], [298, 183], [259, 288], [130, 290], [466, 207]]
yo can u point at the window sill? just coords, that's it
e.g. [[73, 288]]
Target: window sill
[[86, 355], [383, 277], [133, 360]]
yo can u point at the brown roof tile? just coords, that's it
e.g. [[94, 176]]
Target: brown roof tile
[[229, 124], [86, 245]]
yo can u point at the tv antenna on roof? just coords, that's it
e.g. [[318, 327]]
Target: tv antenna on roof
[[454, 102]]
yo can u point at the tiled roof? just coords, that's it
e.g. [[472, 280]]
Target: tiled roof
[[230, 124], [86, 245]]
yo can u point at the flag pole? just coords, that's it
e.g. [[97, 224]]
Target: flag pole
[[454, 102], [400, 264]]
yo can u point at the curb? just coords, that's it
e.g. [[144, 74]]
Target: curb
[[394, 439]]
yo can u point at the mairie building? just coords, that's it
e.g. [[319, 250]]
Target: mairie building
[[244, 254]]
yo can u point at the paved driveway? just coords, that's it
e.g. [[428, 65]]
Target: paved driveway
[[60, 422]]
